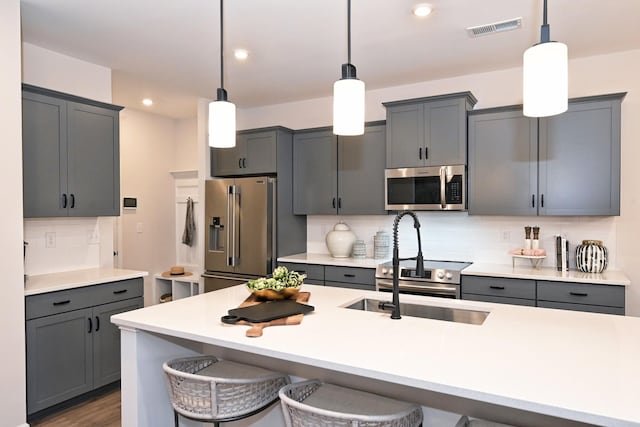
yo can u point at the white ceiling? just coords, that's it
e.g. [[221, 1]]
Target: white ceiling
[[169, 49]]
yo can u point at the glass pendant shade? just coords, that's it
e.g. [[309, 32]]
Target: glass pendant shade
[[545, 80], [222, 124], [348, 107]]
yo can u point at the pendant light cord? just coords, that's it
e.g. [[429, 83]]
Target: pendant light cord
[[221, 46], [545, 33], [348, 31], [544, 13]]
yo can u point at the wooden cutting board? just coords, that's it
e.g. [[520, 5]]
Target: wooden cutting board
[[256, 328]]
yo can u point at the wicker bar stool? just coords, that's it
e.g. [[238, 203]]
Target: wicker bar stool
[[316, 404], [208, 389]]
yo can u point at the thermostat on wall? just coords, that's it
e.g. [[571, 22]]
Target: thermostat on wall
[[129, 203]]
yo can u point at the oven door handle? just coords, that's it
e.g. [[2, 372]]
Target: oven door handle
[[388, 284]]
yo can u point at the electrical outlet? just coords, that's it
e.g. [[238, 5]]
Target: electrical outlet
[[93, 238], [50, 239], [506, 236]]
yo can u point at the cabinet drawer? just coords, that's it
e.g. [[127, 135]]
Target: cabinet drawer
[[581, 293], [365, 276], [582, 307], [314, 272], [73, 299], [501, 300], [499, 287]]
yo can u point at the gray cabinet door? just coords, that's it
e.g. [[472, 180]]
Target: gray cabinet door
[[93, 160], [405, 136], [315, 174], [445, 133], [106, 341], [580, 160], [361, 161], [44, 155], [502, 170], [260, 153], [59, 358], [227, 161]]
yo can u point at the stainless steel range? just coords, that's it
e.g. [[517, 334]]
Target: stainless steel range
[[440, 278]]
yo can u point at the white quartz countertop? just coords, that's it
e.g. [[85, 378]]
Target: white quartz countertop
[[607, 277], [573, 365], [326, 259], [52, 282]]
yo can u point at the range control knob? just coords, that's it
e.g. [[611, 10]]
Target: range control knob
[[448, 275], [440, 274], [386, 271]]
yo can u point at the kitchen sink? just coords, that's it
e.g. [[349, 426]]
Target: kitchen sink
[[460, 315]]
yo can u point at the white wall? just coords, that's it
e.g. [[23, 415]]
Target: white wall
[[147, 234], [186, 150], [480, 238], [13, 390]]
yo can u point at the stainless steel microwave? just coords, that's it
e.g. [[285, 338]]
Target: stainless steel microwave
[[434, 188]]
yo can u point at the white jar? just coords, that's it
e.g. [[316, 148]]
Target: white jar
[[340, 241]]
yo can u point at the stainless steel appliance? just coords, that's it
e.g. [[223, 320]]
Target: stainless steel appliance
[[439, 279], [433, 188], [240, 232]]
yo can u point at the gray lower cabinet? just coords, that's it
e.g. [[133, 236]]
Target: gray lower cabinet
[[71, 157], [609, 299], [255, 153], [428, 131], [350, 277], [567, 164], [314, 272], [72, 347], [339, 175]]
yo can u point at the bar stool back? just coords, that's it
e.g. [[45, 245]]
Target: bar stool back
[[316, 404], [208, 389]]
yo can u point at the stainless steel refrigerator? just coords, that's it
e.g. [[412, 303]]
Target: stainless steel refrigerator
[[240, 236]]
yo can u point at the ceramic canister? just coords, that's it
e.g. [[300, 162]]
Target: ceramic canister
[[591, 256], [340, 241]]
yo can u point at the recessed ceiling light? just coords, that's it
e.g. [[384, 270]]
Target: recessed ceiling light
[[147, 102], [241, 54], [421, 10]]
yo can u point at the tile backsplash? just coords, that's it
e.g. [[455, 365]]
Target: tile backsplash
[[462, 237]]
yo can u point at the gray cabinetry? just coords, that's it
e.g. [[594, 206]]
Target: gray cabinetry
[[255, 153], [71, 158], [314, 272], [72, 347], [339, 175], [562, 165], [591, 297], [350, 277], [428, 131]]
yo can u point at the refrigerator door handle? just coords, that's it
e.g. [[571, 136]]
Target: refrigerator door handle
[[229, 241], [236, 199]]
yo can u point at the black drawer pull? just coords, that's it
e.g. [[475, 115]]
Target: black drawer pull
[[542, 200], [339, 202], [333, 203], [420, 153], [73, 201], [97, 323], [244, 162], [240, 162], [349, 275], [496, 287], [121, 291], [533, 200], [62, 302], [64, 201], [90, 325], [579, 294]]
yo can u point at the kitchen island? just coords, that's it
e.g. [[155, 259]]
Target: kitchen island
[[523, 365]]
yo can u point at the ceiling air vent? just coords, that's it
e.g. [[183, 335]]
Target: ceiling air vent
[[496, 27]]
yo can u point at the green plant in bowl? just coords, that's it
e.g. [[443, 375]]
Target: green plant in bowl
[[281, 285]]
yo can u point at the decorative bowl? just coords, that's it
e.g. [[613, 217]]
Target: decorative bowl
[[271, 294], [282, 285]]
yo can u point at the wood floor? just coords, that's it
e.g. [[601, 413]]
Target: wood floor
[[99, 411]]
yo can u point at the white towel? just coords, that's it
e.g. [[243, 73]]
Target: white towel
[[189, 225]]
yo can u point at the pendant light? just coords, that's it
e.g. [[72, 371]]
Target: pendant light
[[348, 95], [545, 76], [222, 113]]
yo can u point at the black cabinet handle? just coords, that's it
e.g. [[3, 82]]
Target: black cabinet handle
[[333, 203], [73, 201], [62, 302], [90, 325], [496, 287], [426, 153], [240, 162], [542, 200], [339, 202], [244, 162], [420, 153], [121, 291], [349, 275], [533, 200], [64, 201], [579, 294], [97, 323]]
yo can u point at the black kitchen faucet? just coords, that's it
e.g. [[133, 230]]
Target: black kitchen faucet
[[395, 303]]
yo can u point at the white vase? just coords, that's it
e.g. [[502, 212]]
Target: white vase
[[340, 241]]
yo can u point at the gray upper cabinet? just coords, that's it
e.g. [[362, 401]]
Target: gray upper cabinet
[[339, 175], [71, 157], [255, 153], [428, 131], [567, 164]]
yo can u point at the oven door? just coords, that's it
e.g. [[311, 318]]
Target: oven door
[[440, 290], [428, 188]]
